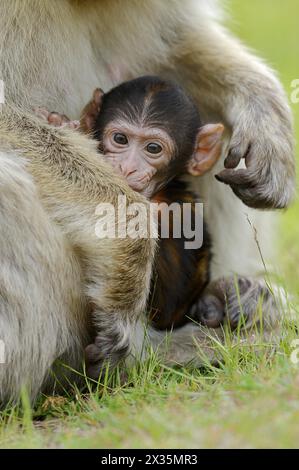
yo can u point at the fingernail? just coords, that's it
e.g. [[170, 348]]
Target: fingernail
[[218, 178]]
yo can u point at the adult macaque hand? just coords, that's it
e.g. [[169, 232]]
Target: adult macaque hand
[[262, 135]]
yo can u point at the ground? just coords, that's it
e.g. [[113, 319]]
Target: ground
[[252, 400]]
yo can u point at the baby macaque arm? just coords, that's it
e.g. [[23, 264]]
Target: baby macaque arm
[[88, 115], [56, 119]]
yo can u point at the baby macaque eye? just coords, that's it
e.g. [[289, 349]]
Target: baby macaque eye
[[154, 148], [120, 139]]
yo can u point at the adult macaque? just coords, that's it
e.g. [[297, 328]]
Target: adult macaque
[[54, 53]]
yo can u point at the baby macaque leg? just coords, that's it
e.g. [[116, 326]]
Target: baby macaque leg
[[233, 300]]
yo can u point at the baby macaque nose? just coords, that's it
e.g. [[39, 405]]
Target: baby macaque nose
[[127, 170]]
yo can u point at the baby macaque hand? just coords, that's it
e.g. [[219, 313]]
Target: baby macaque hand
[[56, 119]]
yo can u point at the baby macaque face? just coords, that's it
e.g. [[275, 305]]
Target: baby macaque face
[[140, 154], [149, 130]]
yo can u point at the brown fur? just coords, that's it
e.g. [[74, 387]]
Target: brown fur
[[180, 274]]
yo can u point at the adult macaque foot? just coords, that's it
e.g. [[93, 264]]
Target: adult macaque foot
[[232, 300]]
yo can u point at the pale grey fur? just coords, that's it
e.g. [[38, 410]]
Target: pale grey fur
[[53, 54], [59, 283]]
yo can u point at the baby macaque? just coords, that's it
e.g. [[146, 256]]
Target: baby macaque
[[150, 131]]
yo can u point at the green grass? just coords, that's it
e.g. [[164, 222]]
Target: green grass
[[271, 28], [252, 400]]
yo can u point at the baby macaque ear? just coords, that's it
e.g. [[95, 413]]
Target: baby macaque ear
[[91, 111], [207, 149]]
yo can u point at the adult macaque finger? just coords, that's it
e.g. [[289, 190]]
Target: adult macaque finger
[[236, 153], [249, 186], [235, 177], [233, 158]]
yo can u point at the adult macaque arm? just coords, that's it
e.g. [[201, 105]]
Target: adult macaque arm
[[72, 181], [225, 78]]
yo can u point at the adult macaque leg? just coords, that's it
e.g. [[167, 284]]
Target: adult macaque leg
[[246, 95], [43, 310]]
